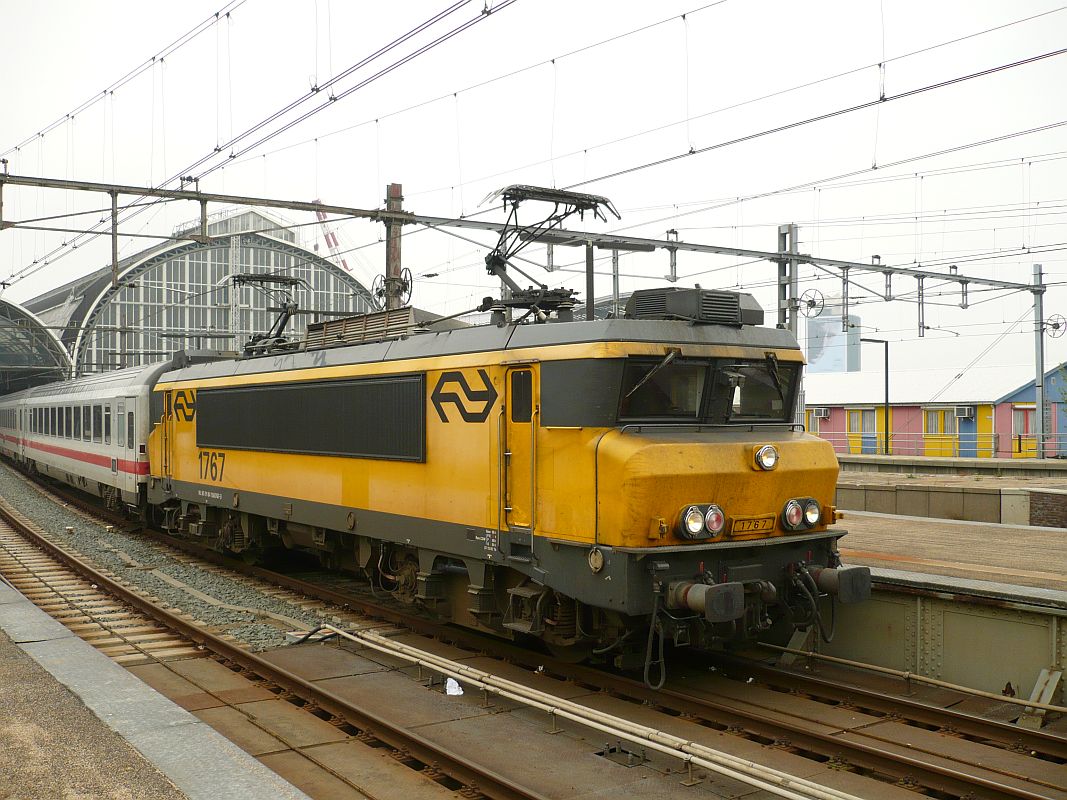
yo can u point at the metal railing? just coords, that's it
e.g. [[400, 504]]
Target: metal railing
[[950, 445]]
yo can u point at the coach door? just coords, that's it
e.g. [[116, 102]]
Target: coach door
[[520, 447]]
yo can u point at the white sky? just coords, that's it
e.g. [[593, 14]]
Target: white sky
[[589, 114]]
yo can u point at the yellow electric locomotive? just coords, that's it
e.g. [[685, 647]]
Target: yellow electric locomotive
[[593, 484], [572, 481]]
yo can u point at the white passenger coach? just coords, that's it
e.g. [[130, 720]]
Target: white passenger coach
[[91, 432]]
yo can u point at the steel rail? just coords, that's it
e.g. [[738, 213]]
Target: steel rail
[[750, 772], [1038, 741], [458, 767]]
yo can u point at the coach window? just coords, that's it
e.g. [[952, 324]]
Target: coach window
[[98, 422], [68, 413], [77, 422], [107, 423], [61, 429], [51, 421], [87, 423]]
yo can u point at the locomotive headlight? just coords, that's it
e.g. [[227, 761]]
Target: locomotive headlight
[[693, 522], [714, 520], [793, 514], [812, 512], [767, 457]]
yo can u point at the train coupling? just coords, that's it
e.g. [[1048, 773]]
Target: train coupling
[[847, 584], [718, 602]]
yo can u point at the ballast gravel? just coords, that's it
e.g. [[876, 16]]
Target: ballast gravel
[[136, 560]]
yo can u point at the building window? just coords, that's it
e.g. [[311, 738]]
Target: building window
[[939, 421], [862, 420], [1022, 421], [811, 422]]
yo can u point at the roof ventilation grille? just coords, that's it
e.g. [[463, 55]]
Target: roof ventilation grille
[[696, 305]]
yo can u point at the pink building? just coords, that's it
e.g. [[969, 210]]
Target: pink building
[[981, 413]]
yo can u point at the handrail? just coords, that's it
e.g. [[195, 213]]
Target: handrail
[[982, 445]]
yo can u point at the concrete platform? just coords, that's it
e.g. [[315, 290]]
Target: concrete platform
[[1007, 594], [75, 724], [872, 462], [1008, 554], [1011, 499]]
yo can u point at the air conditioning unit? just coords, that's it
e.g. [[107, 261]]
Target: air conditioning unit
[[964, 412], [820, 413]]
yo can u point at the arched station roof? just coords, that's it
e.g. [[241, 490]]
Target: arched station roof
[[177, 295], [30, 353]]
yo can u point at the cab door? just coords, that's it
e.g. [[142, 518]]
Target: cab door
[[520, 447]]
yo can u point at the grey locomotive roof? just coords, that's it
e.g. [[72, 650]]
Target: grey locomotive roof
[[492, 338], [118, 379]]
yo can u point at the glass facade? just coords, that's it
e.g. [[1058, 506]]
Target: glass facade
[[183, 298]]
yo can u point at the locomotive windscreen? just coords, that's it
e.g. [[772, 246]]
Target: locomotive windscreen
[[365, 418], [719, 391]]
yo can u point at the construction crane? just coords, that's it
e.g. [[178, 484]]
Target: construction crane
[[334, 247]]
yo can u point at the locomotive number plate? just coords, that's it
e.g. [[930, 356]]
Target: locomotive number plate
[[752, 524]]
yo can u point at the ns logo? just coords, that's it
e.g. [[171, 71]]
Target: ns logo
[[185, 404], [472, 402]]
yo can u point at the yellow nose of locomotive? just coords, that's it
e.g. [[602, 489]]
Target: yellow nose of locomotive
[[672, 488]]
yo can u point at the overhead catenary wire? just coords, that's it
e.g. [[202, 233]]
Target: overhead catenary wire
[[822, 117], [497, 78], [849, 174], [51, 256], [365, 82], [111, 88], [711, 205], [675, 123]]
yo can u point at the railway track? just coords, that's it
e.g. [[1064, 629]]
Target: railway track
[[63, 582], [894, 741]]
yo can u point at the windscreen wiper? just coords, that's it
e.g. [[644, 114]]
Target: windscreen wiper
[[667, 359], [772, 368]]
